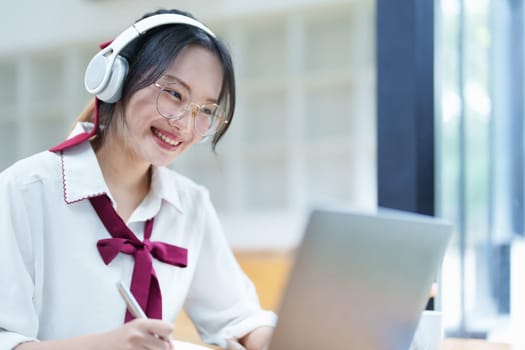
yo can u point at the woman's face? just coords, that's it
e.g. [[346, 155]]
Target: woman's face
[[150, 137]]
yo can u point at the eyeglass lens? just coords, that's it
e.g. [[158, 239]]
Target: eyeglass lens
[[174, 101]]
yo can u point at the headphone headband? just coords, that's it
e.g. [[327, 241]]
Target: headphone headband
[[166, 18], [148, 23], [101, 69]]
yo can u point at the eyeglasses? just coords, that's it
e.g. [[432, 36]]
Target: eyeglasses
[[174, 101]]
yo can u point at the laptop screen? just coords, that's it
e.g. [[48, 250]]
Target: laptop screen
[[360, 280]]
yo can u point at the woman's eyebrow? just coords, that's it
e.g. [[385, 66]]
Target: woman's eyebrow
[[172, 77], [180, 81]]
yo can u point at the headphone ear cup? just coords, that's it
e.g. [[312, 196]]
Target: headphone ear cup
[[112, 92], [95, 73]]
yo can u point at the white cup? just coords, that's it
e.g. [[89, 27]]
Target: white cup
[[429, 331]]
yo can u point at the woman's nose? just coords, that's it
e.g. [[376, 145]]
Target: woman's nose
[[184, 122]]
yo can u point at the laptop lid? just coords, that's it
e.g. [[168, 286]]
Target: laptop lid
[[360, 281]]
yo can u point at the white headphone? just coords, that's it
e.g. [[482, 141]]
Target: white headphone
[[106, 71]]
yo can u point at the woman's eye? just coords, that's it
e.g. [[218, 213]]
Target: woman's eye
[[207, 111], [174, 93]]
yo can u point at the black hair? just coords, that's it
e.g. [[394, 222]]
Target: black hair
[[153, 52]]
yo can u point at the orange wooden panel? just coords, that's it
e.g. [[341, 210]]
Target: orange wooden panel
[[269, 272]]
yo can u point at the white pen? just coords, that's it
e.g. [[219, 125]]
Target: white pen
[[135, 309], [131, 303]]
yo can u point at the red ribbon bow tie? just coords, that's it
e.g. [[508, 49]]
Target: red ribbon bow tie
[[144, 283]]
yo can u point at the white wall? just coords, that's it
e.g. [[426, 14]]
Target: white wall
[[304, 129], [34, 24]]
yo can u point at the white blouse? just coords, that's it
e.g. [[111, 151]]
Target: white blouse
[[53, 282]]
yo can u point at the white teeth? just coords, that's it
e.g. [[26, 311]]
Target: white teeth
[[165, 138]]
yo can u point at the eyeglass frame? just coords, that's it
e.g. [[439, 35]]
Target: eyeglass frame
[[189, 107]]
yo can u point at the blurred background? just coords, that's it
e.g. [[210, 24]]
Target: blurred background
[[305, 133]]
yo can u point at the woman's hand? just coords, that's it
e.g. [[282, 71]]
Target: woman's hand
[[139, 334], [258, 339]]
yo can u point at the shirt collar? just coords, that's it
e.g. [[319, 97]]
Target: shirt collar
[[163, 186], [162, 190], [81, 174], [82, 177]]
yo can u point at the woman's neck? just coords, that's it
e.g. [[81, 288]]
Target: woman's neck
[[127, 178]]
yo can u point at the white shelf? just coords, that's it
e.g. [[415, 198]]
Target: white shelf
[[303, 131]]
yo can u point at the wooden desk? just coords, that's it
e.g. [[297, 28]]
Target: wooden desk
[[473, 344]]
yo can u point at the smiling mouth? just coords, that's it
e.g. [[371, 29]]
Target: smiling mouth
[[166, 139]]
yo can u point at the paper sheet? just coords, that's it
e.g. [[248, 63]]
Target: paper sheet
[[180, 345]]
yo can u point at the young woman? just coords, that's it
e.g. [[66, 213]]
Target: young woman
[[102, 207]]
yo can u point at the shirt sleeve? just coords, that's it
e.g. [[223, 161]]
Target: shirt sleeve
[[18, 315], [222, 302]]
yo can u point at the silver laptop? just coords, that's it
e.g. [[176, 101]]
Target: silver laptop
[[360, 281]]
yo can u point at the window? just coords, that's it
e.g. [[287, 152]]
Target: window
[[481, 145]]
